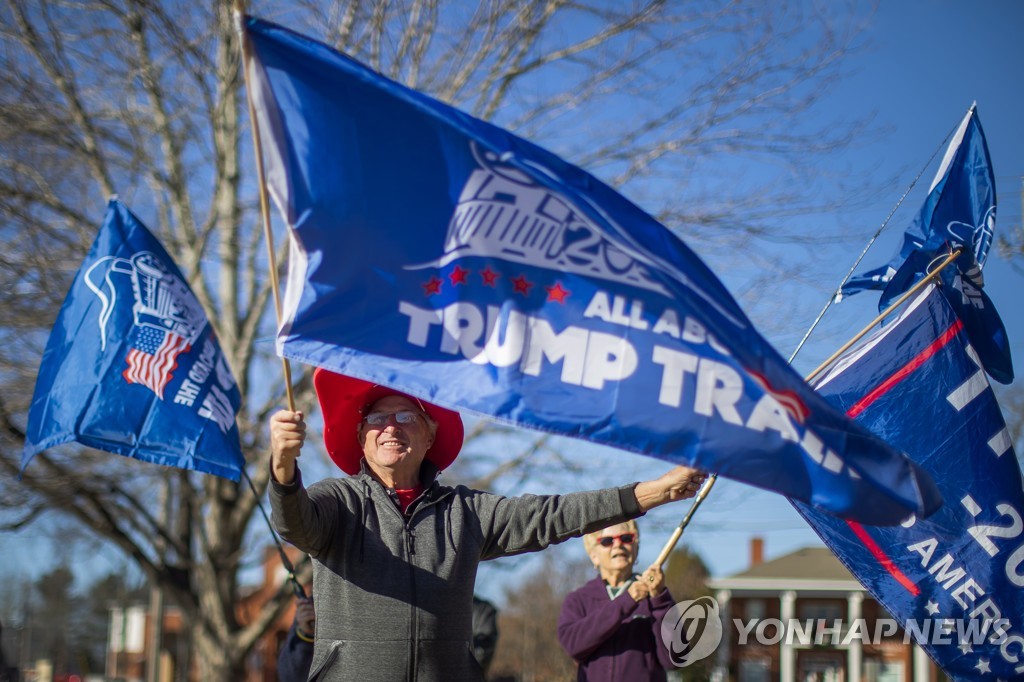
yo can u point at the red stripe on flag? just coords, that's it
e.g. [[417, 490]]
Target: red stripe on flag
[[883, 558], [902, 373], [918, 360]]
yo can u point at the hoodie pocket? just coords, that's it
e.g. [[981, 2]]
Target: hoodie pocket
[[349, 660], [447, 660], [316, 673]]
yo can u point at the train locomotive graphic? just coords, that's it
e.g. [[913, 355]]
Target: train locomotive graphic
[[503, 213]]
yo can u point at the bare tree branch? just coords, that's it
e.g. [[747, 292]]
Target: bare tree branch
[[143, 98]]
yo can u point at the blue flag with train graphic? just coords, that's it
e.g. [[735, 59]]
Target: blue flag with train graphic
[[955, 580], [445, 257], [132, 365]]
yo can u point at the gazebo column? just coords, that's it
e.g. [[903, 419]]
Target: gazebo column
[[787, 654], [855, 654], [720, 672]]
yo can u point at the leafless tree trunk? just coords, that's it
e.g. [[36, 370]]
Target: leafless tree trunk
[[528, 647], [144, 98]]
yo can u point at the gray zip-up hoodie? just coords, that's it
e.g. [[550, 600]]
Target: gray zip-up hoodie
[[394, 593]]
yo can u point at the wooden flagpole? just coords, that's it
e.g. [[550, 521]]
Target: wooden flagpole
[[239, 8], [706, 488], [678, 532], [264, 202], [888, 311]]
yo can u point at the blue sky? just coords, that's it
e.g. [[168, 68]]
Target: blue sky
[[925, 64]]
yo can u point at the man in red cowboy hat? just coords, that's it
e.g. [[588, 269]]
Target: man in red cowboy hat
[[395, 552]]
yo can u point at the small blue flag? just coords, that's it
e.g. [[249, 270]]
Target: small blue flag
[[132, 365], [955, 581], [442, 256], [959, 212]]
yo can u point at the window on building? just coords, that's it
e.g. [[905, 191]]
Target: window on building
[[754, 609], [876, 670], [825, 610], [821, 668], [755, 670]]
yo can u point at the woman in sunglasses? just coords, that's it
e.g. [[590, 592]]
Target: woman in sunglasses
[[395, 551], [612, 625]]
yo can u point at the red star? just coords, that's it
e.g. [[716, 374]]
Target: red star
[[432, 287], [557, 293], [458, 275], [489, 276], [521, 285]]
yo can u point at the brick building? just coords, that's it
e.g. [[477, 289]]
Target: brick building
[[130, 631]]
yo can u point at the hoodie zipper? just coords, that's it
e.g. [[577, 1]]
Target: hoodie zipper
[[409, 542], [410, 551]]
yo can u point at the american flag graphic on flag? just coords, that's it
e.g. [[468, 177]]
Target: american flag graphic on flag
[[153, 357], [130, 318]]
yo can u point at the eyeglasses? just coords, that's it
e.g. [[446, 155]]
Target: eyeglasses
[[609, 540], [382, 418]]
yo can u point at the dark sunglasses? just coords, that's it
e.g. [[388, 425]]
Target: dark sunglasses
[[609, 540], [381, 418]]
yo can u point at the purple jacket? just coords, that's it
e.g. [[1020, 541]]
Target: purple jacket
[[616, 639]]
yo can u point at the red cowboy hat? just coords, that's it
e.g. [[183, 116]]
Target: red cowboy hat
[[343, 401]]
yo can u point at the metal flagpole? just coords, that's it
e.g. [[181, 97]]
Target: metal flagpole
[[706, 488], [264, 202], [297, 588]]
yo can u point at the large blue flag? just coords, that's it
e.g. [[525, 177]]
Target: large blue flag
[[440, 255], [956, 579], [132, 365], [959, 212]]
